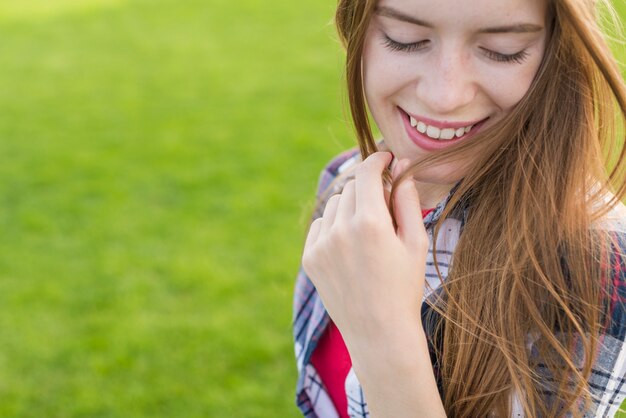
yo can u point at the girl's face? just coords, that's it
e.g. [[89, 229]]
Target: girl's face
[[437, 72]]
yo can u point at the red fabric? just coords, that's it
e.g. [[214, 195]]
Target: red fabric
[[332, 362]]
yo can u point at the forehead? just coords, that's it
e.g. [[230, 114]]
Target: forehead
[[471, 13]]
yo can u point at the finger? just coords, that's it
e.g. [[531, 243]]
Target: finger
[[330, 211], [407, 212], [396, 171], [347, 203], [314, 231], [369, 183], [398, 168]]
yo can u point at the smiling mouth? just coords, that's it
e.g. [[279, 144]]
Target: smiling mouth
[[433, 132], [442, 134]]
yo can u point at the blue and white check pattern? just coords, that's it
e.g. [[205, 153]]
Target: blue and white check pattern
[[608, 379]]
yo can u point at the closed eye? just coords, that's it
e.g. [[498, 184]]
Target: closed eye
[[518, 57], [399, 46]]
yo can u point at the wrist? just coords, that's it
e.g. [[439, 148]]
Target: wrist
[[387, 340], [397, 376], [395, 351]]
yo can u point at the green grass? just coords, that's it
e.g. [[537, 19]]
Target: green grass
[[158, 160]]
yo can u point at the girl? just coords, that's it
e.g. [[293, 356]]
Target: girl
[[490, 279]]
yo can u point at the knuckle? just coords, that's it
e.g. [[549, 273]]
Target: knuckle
[[366, 223], [339, 234], [315, 224], [351, 184], [333, 200], [306, 261], [309, 260], [331, 204]]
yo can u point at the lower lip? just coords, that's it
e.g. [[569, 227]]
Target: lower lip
[[427, 143]]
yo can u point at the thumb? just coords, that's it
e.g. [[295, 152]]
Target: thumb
[[407, 211]]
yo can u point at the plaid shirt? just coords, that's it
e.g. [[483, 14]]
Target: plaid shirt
[[607, 381]]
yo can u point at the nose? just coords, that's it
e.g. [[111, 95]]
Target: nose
[[447, 85]]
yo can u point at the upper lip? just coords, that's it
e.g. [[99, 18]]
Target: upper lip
[[442, 125]]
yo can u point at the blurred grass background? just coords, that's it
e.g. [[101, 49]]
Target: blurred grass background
[[158, 161]]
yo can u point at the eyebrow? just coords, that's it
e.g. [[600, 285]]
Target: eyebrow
[[514, 28]]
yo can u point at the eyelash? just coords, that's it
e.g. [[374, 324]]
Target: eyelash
[[518, 57], [397, 46]]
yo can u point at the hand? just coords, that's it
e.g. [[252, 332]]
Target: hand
[[369, 275]]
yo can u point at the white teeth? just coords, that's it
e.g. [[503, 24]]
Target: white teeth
[[447, 133], [438, 133], [433, 132]]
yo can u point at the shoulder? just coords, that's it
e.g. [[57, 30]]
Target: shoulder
[[335, 169]]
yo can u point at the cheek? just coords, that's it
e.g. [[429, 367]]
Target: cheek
[[370, 63], [384, 73], [506, 92], [386, 79], [375, 71], [379, 86], [507, 88]]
